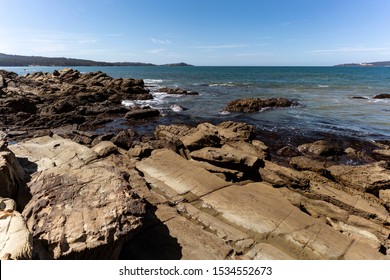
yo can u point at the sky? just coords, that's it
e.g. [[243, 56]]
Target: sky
[[200, 32]]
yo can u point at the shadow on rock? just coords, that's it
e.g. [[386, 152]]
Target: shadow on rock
[[153, 242]]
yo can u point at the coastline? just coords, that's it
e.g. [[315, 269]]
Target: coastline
[[195, 176]]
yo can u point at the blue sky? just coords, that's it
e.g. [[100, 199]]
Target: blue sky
[[200, 32]]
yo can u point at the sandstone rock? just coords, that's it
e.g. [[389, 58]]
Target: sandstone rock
[[236, 131], [261, 209], [256, 104], [81, 207], [228, 157], [205, 135], [105, 148], [385, 195], [177, 177], [280, 176], [368, 178], [320, 148], [11, 173], [265, 251], [171, 132], [15, 239], [305, 163]]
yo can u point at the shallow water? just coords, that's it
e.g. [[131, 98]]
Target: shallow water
[[325, 95]]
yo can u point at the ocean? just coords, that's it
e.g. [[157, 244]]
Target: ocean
[[327, 97]]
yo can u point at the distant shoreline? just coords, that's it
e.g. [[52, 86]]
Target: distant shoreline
[[7, 60]]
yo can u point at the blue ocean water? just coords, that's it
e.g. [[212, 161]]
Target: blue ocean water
[[325, 94]]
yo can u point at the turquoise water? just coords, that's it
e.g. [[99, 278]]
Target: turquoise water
[[325, 95]]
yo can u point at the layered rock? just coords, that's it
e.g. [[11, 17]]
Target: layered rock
[[81, 207]]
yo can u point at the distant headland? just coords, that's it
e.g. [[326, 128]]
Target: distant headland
[[21, 60], [366, 64]]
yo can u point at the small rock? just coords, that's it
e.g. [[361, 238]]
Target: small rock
[[105, 148], [382, 96]]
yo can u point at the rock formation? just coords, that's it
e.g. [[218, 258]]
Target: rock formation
[[44, 101], [256, 104], [82, 207]]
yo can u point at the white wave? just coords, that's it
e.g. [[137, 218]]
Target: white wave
[[176, 108], [323, 86], [224, 112], [230, 84], [153, 81]]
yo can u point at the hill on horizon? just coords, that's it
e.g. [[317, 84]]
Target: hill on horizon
[[7, 60]]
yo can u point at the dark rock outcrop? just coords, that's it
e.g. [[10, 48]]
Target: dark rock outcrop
[[382, 96], [177, 91], [249, 105], [65, 97]]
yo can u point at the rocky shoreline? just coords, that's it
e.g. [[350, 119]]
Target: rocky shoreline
[[210, 191]]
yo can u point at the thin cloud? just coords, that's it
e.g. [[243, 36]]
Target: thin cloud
[[161, 42]]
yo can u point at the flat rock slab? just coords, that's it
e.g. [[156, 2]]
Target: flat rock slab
[[81, 207], [176, 176], [263, 211]]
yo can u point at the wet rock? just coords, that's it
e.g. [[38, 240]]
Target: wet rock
[[146, 113], [249, 105], [125, 138], [382, 96], [288, 151], [177, 91], [320, 148]]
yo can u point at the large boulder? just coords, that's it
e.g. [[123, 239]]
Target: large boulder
[[249, 105], [81, 207]]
